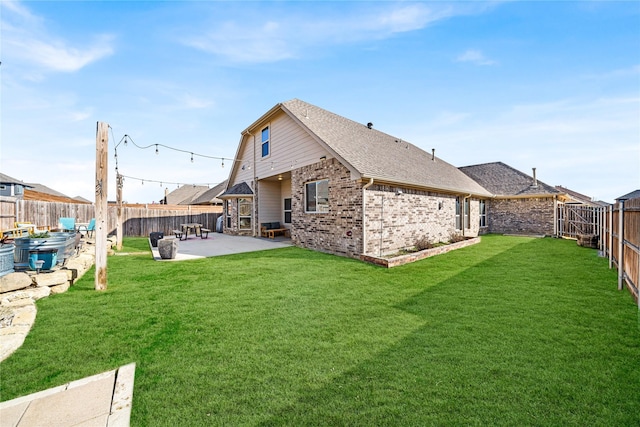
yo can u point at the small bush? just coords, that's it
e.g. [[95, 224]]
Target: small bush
[[423, 244], [456, 237]]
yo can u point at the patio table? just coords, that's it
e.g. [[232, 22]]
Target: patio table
[[191, 226]]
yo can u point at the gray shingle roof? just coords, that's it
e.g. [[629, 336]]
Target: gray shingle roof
[[633, 195], [503, 180], [241, 189], [374, 154], [185, 194], [6, 179], [211, 195]]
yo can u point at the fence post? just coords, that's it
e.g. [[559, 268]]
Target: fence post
[[610, 243], [621, 246]]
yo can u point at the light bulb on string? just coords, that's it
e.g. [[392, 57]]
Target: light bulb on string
[[222, 164], [156, 149], [191, 157], [143, 182]]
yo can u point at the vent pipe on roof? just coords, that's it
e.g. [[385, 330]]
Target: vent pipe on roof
[[433, 154], [535, 180], [369, 125]]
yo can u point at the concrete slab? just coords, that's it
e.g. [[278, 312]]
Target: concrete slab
[[89, 401], [218, 244]]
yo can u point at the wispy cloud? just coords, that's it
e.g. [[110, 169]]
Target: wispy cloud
[[26, 40], [475, 57], [292, 35]]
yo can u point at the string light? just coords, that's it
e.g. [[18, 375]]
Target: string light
[[156, 149], [177, 184], [191, 157]]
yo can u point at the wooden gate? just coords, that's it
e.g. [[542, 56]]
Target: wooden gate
[[573, 220]]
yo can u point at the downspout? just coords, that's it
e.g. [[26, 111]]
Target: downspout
[[364, 211], [255, 187], [555, 215]]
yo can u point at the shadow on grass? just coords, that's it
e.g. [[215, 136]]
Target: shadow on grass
[[536, 335]]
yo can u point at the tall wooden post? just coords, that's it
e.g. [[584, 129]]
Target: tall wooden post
[[621, 246], [102, 155], [119, 184]]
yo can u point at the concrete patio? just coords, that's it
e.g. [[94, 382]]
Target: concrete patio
[[217, 244]]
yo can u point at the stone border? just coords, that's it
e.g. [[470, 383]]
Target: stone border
[[416, 256]]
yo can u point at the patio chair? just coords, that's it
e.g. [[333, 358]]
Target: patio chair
[[67, 224], [89, 229]]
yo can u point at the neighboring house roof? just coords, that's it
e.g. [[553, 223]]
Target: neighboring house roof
[[576, 197], [210, 197], [633, 195], [46, 190], [35, 191], [46, 197], [503, 180], [369, 153], [186, 194], [240, 189], [6, 179], [82, 199]]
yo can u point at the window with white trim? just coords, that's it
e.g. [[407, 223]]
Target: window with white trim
[[244, 214], [266, 137], [467, 213], [287, 211], [458, 214], [483, 213], [317, 196]]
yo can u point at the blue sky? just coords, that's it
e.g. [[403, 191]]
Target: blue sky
[[551, 85]]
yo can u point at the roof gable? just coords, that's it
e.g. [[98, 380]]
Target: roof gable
[[240, 189], [375, 154]]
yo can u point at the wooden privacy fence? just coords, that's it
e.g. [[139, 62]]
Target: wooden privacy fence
[[137, 220], [620, 242]]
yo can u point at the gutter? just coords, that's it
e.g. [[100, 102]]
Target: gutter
[[364, 211]]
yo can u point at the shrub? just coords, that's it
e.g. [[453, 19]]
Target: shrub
[[423, 243], [456, 237]]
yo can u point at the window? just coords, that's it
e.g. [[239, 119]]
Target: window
[[466, 212], [244, 214], [265, 142], [287, 211], [458, 216], [483, 213], [229, 214], [317, 196]]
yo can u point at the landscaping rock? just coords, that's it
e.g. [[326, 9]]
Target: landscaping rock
[[58, 289], [54, 278], [168, 248], [14, 281]]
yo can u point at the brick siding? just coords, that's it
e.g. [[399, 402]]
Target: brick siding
[[521, 216]]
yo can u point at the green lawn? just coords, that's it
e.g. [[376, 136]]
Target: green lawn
[[512, 331]]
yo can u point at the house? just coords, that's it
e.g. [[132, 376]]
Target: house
[[521, 204], [580, 199], [343, 187], [195, 195], [11, 187], [633, 195]]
